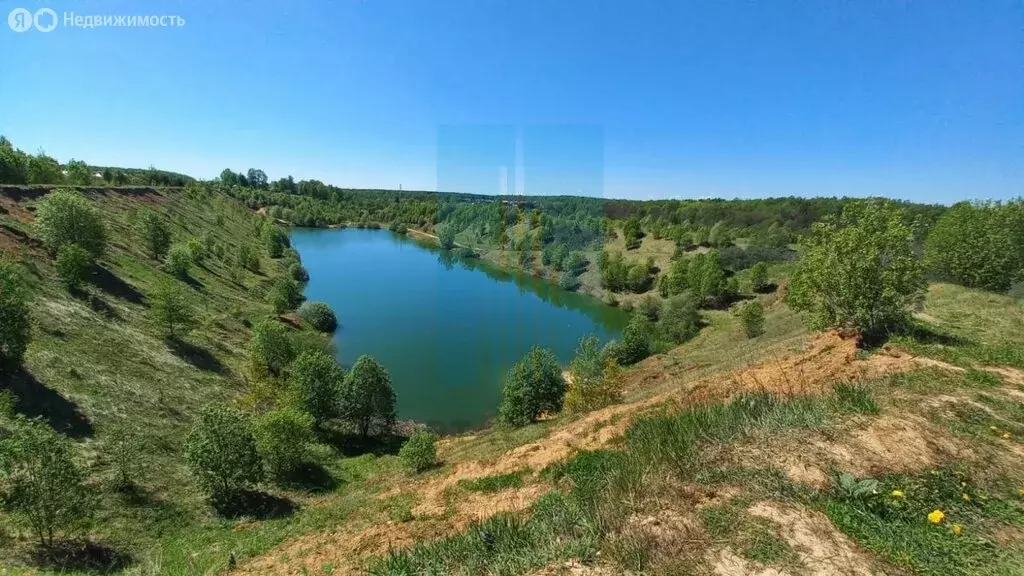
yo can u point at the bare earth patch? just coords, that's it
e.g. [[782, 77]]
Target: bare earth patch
[[822, 549], [725, 562]]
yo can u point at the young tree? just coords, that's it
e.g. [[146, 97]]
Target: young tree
[[282, 440], [977, 245], [271, 347], [44, 170], [73, 264], [367, 397], [858, 271], [66, 217], [316, 381], [533, 385], [752, 316], [706, 278], [44, 487], [13, 164], [446, 236], [275, 240], [319, 315], [179, 261], [256, 178], [172, 308], [14, 317], [680, 320], [591, 385], [636, 341], [759, 277], [419, 452], [285, 295], [220, 450], [156, 234], [79, 173]]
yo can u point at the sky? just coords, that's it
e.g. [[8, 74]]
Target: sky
[[915, 99]]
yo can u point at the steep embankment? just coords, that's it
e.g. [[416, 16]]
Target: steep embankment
[[709, 486]]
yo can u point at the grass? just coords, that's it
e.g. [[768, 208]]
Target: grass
[[495, 483]]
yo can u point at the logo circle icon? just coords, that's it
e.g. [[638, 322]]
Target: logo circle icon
[[39, 21], [20, 19]]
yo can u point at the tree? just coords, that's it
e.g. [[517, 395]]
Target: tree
[[532, 386], [319, 315], [66, 217], [156, 234], [44, 488], [256, 178], [636, 341], [419, 452], [316, 381], [172, 308], [858, 271], [13, 164], [44, 170], [575, 263], [78, 173], [593, 378], [632, 233], [271, 347], [248, 259], [680, 320], [759, 277], [275, 240], [286, 294], [367, 398], [752, 316], [282, 440], [228, 176], [978, 245], [719, 234], [179, 261], [568, 281], [14, 318], [706, 278], [220, 450], [73, 264], [446, 236], [298, 272]]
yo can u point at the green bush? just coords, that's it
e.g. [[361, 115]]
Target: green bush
[[282, 440], [316, 381], [759, 277], [220, 450], [123, 451], [419, 452], [446, 236], [73, 265], [298, 272], [179, 261], [978, 245], [271, 346], [171, 306], [44, 488], [66, 217], [752, 316], [680, 321], [197, 250], [706, 279], [285, 295], [248, 259], [319, 315], [367, 399], [14, 317], [568, 281], [533, 385], [859, 271], [275, 239], [594, 380], [636, 341], [156, 234]]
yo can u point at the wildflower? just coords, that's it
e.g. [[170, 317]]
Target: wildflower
[[1020, 491], [966, 497], [1006, 435], [957, 529], [936, 517], [993, 428], [899, 493]]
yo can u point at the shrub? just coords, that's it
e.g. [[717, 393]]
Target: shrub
[[636, 341], [220, 450], [44, 489], [568, 281], [179, 261], [978, 245], [594, 380], [650, 307], [316, 381], [680, 321], [270, 347], [446, 236], [197, 250], [14, 317], [319, 315], [858, 271], [73, 264], [123, 452], [759, 277], [282, 439], [156, 234], [533, 385], [275, 240], [248, 259], [706, 278], [66, 217], [575, 263], [752, 316], [298, 272], [172, 308], [285, 295], [419, 452], [367, 399]]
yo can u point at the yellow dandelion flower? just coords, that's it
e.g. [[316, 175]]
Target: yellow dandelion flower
[[1006, 435], [957, 529], [899, 493], [966, 497], [993, 428], [936, 517], [1020, 491]]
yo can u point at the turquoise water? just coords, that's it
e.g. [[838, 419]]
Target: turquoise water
[[447, 330]]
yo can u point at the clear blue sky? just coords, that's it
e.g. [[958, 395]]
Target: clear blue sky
[[918, 99]]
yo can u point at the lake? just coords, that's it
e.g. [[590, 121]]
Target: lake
[[446, 329]]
